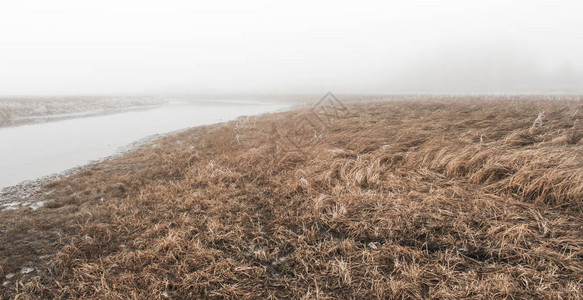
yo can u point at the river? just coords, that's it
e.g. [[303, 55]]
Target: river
[[32, 151]]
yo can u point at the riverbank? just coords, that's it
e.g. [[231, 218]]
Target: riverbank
[[29, 193], [17, 111], [404, 199], [39, 150]]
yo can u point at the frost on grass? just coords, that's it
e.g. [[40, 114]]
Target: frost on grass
[[14, 205], [25, 194], [16, 111]]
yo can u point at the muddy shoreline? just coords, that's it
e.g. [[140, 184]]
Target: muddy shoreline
[[29, 193]]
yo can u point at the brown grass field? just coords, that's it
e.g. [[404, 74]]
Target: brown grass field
[[403, 199]]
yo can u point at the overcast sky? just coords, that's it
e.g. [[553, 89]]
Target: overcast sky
[[184, 46]]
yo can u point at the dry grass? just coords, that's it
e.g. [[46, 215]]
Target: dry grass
[[403, 199]]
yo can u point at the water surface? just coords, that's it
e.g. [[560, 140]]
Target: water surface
[[31, 151]]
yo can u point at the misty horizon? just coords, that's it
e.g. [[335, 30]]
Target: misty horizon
[[64, 47]]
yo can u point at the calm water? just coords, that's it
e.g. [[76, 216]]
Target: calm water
[[33, 151]]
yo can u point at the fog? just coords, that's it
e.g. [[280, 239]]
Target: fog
[[67, 47]]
